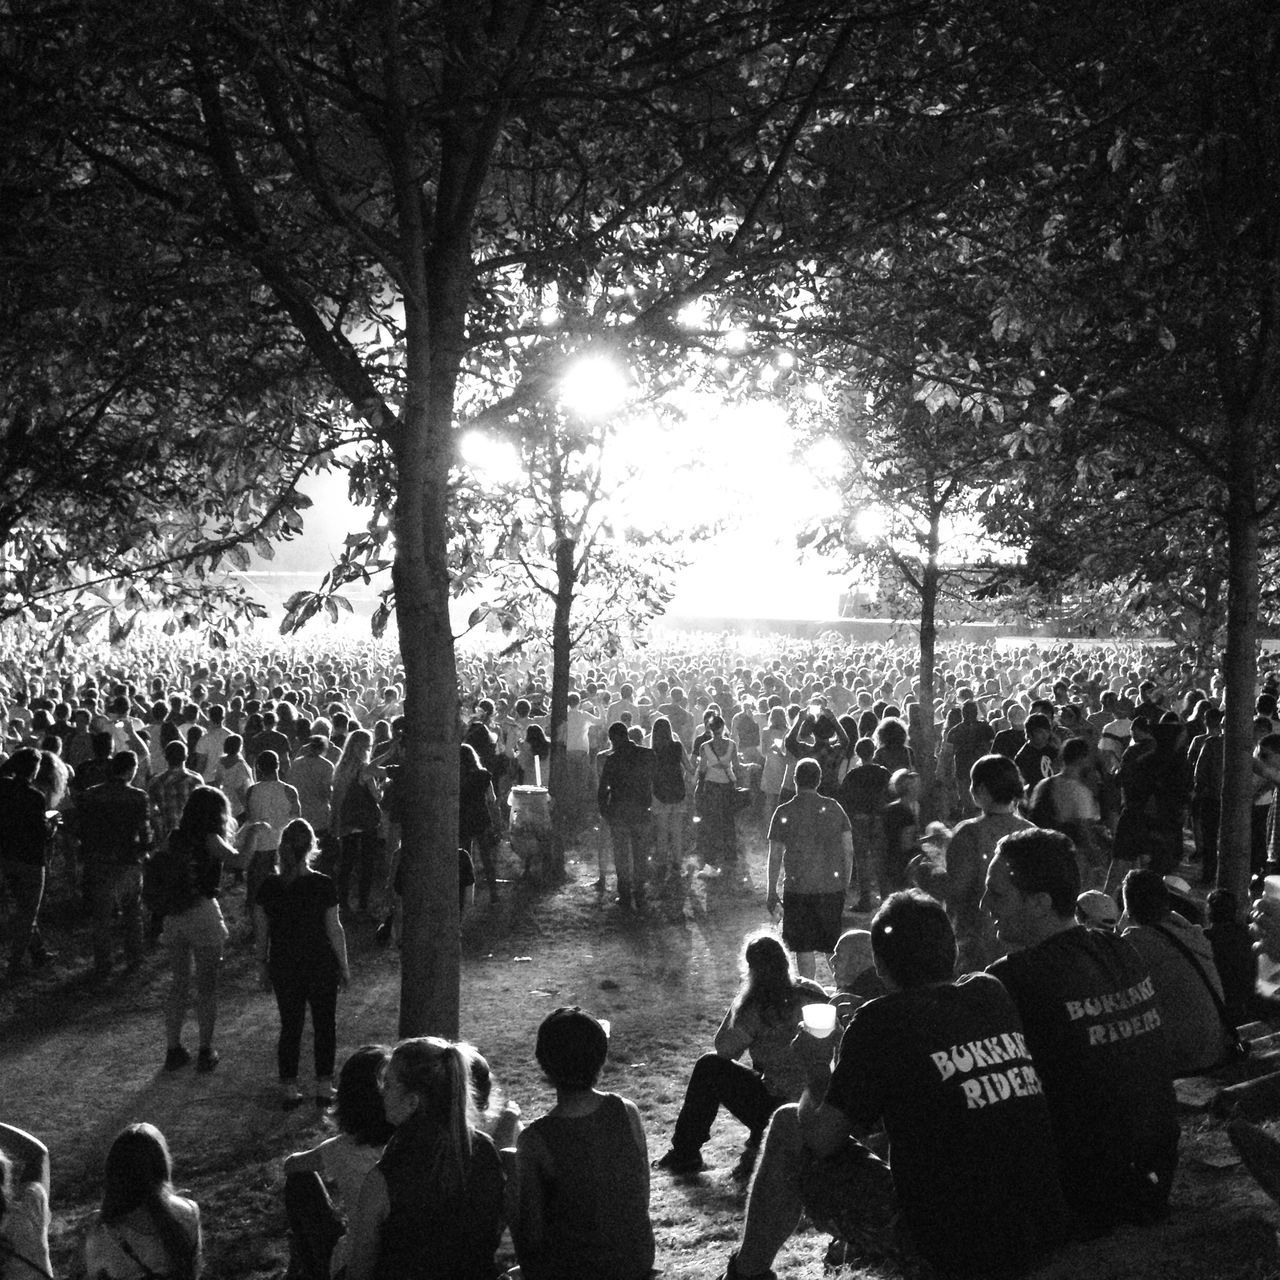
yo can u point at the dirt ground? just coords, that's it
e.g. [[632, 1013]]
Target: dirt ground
[[77, 1063]]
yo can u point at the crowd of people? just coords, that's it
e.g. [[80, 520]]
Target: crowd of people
[[1026, 973]]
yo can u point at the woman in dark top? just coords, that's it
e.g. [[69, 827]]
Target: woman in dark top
[[196, 932], [302, 952], [479, 826], [431, 1209], [669, 768]]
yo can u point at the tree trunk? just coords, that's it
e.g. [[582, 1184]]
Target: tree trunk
[[1240, 660], [561, 655], [923, 744], [430, 955]]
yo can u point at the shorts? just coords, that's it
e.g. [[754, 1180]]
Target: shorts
[[199, 926], [812, 921], [850, 1195]]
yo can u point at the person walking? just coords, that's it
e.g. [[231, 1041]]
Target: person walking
[[24, 847], [194, 930], [624, 796], [357, 815], [302, 952], [115, 837]]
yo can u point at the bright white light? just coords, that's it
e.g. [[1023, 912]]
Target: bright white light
[[826, 457], [785, 359], [721, 363], [491, 459], [548, 317], [870, 524], [694, 315], [814, 393], [594, 387], [736, 339]]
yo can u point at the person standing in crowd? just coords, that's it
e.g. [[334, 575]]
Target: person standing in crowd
[[863, 795], [716, 762], [171, 790], [302, 951], [273, 804], [971, 1174], [214, 742], [357, 815], [233, 777], [670, 768], [996, 787], [144, 1228], [1079, 991], [312, 778], [583, 1182], [811, 841], [194, 930], [431, 1209], [624, 797], [761, 1021], [968, 742], [115, 836], [24, 847], [479, 820]]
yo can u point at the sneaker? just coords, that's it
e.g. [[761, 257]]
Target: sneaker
[[732, 1273], [207, 1058], [680, 1165], [1260, 1153], [176, 1058], [290, 1095]]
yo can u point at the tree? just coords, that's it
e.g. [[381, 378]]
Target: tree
[[129, 469], [354, 164]]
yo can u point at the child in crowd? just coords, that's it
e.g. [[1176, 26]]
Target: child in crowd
[[583, 1167], [317, 1224]]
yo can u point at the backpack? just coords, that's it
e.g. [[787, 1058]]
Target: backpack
[[168, 879]]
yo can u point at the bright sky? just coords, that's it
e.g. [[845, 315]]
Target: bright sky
[[728, 464]]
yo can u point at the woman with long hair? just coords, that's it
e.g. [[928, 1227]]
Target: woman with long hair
[[762, 1019], [432, 1207], [479, 820], [670, 766], [535, 745], [24, 1206], [318, 1219], [357, 816], [194, 930], [718, 767], [144, 1228], [302, 951]]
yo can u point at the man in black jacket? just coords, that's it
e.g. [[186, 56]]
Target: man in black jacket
[[24, 839], [115, 834], [624, 795]]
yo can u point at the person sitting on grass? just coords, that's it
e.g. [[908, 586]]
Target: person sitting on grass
[[24, 1206], [317, 1222], [762, 1019], [144, 1227], [853, 970], [972, 1187], [583, 1168]]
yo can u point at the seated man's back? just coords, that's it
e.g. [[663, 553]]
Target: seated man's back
[[1089, 1013], [946, 1067]]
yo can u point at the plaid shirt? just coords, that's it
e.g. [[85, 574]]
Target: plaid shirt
[[169, 794]]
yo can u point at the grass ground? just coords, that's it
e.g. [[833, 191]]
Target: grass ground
[[77, 1063]]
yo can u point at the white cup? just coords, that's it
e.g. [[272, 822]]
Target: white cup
[[607, 1025], [819, 1019]]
